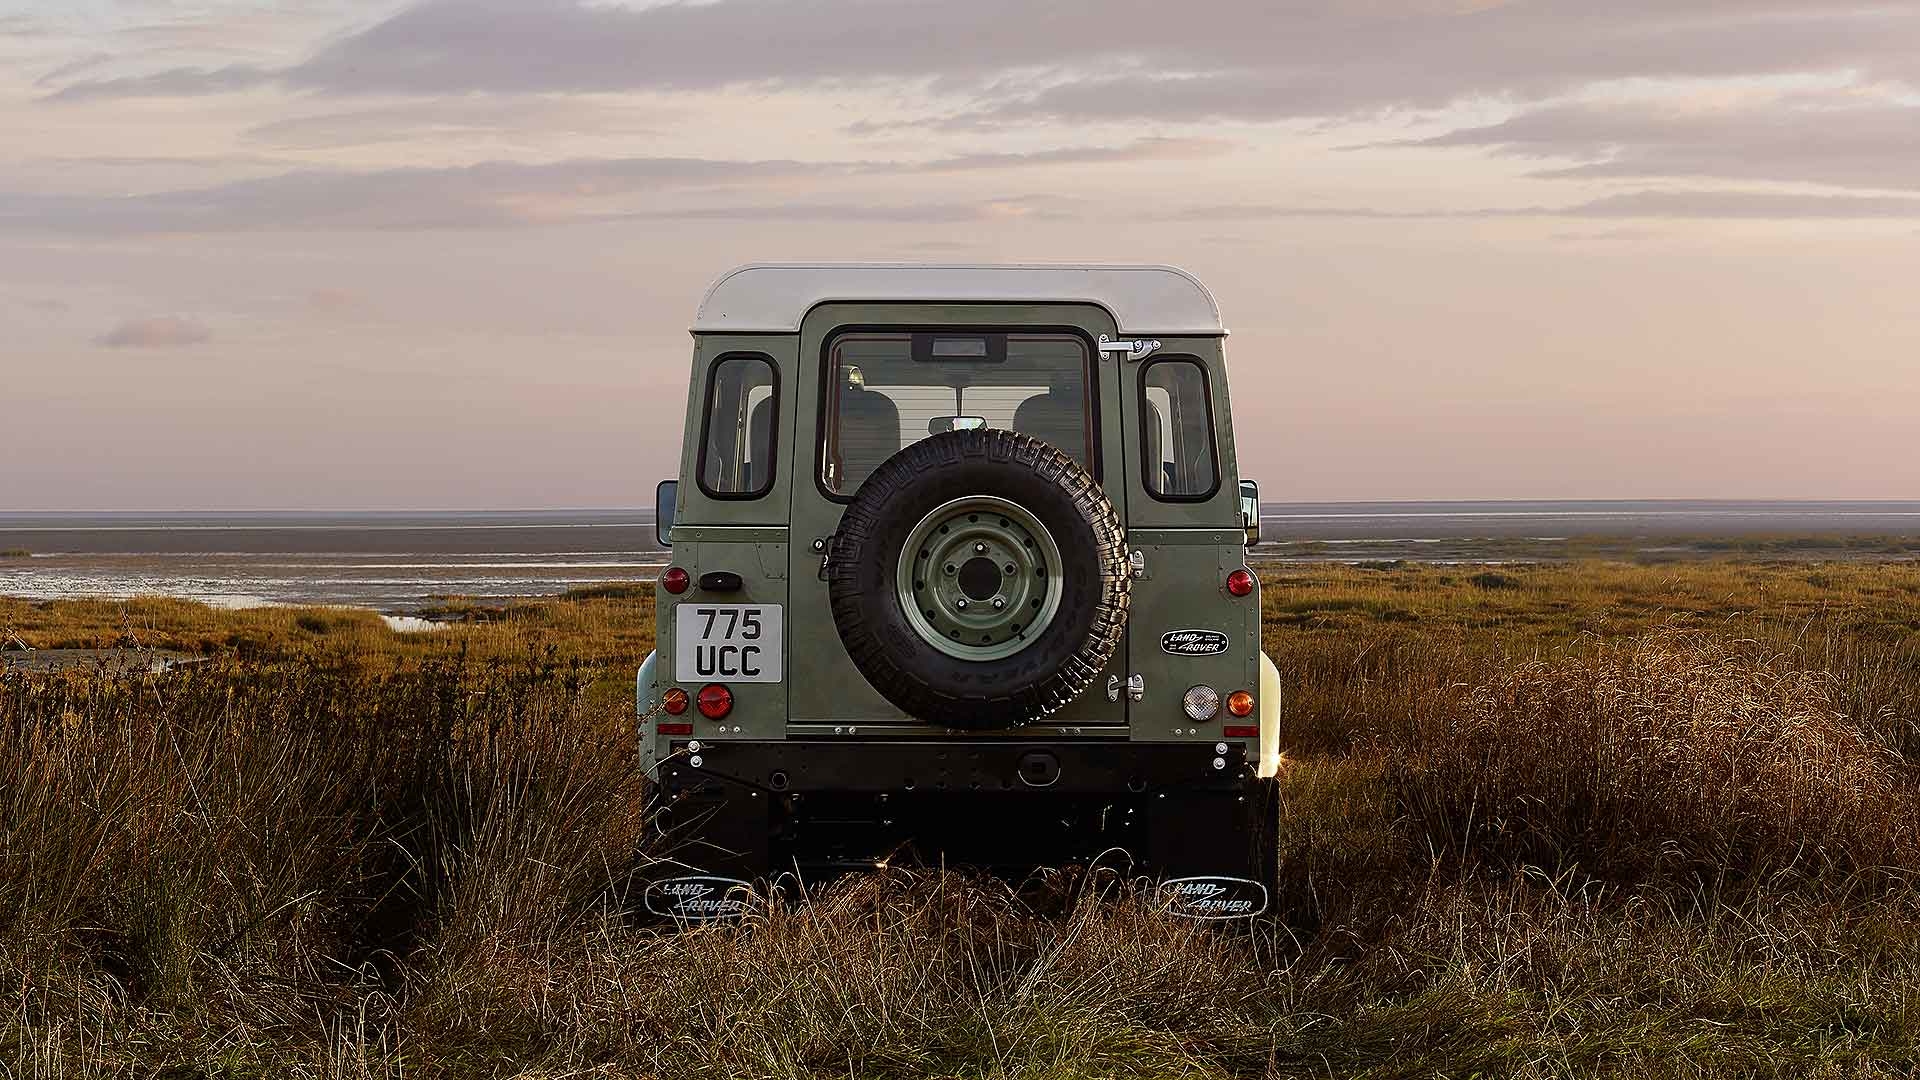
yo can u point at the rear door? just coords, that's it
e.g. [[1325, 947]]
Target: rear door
[[859, 404], [1182, 490]]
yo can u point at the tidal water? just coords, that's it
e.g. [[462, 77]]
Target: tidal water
[[401, 561]]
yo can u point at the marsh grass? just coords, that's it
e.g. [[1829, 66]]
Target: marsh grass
[[1588, 821]]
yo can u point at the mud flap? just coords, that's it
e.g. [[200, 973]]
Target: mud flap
[[698, 898], [1210, 898]]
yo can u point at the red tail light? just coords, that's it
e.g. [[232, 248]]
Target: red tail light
[[1240, 582], [674, 700], [1237, 731], [1240, 703], [716, 701], [675, 580]]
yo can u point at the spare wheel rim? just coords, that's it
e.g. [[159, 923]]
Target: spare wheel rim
[[979, 578]]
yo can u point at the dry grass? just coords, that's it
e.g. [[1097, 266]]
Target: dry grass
[[1573, 822], [1672, 753]]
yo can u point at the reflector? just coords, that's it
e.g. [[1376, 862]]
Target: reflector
[[716, 701]]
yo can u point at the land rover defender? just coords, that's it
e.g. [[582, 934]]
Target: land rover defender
[[958, 574]]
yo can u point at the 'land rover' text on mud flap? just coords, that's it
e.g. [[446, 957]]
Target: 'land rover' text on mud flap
[[698, 898], [958, 577]]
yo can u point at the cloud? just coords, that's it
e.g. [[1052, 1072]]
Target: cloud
[[1028, 208], [1840, 140], [1150, 149], [514, 194], [72, 68], [453, 118], [1093, 59], [498, 66], [22, 26], [158, 332], [177, 82], [487, 195], [333, 301], [1696, 205], [1749, 206]]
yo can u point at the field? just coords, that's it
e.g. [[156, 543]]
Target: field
[[1596, 819]]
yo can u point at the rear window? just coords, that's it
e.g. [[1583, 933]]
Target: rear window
[[743, 408], [886, 391], [1178, 460]]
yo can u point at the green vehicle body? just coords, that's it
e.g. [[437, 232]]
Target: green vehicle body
[[768, 549]]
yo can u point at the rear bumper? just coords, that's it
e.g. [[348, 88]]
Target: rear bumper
[[757, 809], [908, 765]]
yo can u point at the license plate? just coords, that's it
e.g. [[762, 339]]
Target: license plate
[[737, 643]]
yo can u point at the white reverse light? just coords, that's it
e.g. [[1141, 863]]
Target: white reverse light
[[1201, 702]]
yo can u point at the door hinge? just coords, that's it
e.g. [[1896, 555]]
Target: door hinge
[[1137, 565], [1136, 688], [1136, 349], [1113, 688]]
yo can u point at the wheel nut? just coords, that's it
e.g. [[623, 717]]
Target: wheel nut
[[979, 549], [961, 604], [998, 603], [952, 569]]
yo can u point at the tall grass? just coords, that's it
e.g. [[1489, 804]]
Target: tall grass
[[1676, 753], [1685, 848]]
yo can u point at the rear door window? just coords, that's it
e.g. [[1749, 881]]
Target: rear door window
[[1178, 459], [886, 391], [743, 413]]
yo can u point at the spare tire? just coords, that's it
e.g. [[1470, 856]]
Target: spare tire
[[979, 579]]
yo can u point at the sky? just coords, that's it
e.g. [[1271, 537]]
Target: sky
[[443, 253]]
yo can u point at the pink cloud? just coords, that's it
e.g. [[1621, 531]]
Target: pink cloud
[[157, 332]]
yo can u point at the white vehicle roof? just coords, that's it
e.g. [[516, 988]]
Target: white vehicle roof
[[775, 297]]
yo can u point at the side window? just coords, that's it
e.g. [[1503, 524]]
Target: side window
[[1177, 458], [743, 409]]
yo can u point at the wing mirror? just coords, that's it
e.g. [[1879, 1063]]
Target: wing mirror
[[1250, 510], [665, 498]]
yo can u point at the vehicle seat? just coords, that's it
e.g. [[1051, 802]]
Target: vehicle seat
[[869, 434], [1058, 418], [1156, 450], [760, 444]]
